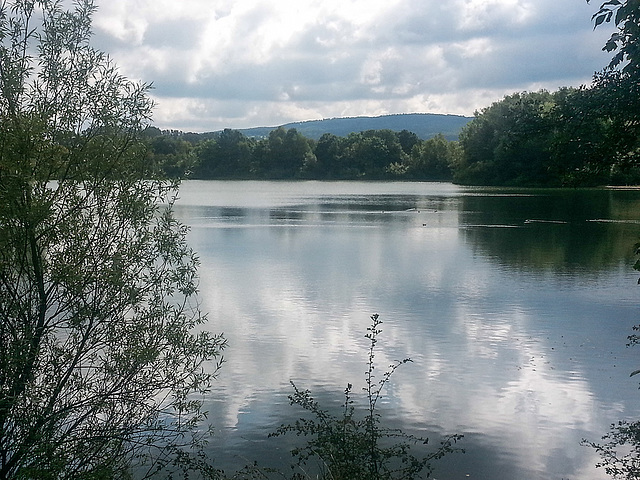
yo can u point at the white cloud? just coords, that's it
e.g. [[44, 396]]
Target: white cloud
[[244, 63], [480, 15]]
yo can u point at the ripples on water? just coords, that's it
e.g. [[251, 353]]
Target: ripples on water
[[514, 306]]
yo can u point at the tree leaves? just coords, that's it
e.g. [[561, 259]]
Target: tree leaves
[[627, 22], [602, 17]]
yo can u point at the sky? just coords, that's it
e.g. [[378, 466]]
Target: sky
[[218, 64]]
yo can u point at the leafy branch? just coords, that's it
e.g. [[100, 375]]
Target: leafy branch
[[348, 446]]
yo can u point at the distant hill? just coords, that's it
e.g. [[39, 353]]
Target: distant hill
[[425, 125]]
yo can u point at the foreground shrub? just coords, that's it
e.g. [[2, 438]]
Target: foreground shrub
[[355, 444]]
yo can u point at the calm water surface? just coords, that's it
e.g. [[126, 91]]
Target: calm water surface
[[513, 304]]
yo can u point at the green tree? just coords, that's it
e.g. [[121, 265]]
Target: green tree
[[99, 360], [328, 153], [407, 140], [618, 87], [284, 154], [618, 98], [433, 159], [372, 152], [228, 155], [597, 132], [172, 155], [508, 142]]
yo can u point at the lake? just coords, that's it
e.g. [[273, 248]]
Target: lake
[[514, 306]]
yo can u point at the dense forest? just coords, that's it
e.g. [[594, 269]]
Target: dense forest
[[287, 154], [571, 137]]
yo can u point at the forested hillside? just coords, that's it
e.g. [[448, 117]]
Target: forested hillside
[[424, 125]]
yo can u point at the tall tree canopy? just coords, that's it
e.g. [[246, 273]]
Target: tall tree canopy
[[508, 142], [98, 358]]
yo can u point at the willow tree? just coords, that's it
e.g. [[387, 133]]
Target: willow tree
[[100, 360]]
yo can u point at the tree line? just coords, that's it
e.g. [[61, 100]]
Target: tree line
[[287, 154], [584, 136]]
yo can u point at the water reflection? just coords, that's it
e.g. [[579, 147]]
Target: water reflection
[[556, 230], [516, 328]]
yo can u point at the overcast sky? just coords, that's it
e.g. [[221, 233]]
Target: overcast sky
[[244, 63]]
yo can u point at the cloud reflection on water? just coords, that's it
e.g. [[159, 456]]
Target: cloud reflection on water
[[499, 349]]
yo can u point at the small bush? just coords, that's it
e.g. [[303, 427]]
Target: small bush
[[352, 446]]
